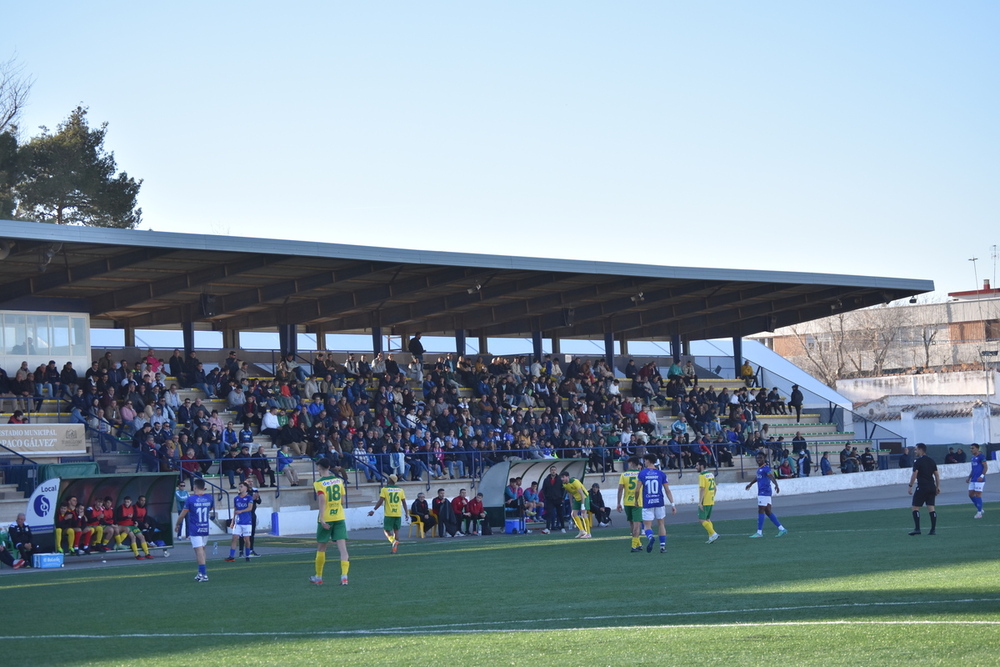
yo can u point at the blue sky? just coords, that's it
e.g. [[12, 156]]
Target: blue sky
[[849, 137]]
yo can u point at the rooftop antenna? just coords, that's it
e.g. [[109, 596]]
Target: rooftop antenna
[[994, 254]]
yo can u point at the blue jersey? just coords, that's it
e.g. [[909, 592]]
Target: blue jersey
[[242, 503], [764, 480], [653, 484], [199, 508], [977, 467]]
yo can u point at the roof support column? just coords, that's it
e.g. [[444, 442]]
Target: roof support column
[[287, 340], [129, 336], [737, 354], [231, 339], [686, 348], [556, 348], [187, 331], [609, 349], [536, 345], [623, 342], [460, 342], [484, 346], [675, 347], [376, 340]]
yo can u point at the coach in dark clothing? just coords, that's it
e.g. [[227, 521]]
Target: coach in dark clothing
[[20, 537], [552, 495], [928, 480]]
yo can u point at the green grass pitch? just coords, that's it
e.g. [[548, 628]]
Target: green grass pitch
[[849, 588]]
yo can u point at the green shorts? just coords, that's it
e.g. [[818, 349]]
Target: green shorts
[[392, 523], [633, 513], [580, 504], [135, 530], [705, 513], [336, 531]]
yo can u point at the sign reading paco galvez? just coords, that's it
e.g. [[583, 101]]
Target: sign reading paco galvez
[[34, 440]]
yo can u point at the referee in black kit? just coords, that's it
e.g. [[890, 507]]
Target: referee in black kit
[[928, 479]]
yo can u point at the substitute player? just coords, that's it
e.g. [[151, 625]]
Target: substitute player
[[330, 494], [977, 479], [628, 496], [125, 517], [653, 486], [198, 510], [580, 500], [765, 478], [242, 522], [395, 500], [706, 499], [928, 479]]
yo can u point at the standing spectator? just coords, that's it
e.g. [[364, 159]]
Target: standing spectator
[[795, 401], [552, 496], [825, 468], [180, 501], [804, 464], [416, 348]]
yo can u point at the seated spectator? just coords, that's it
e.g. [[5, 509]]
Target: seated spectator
[[285, 467], [532, 501], [825, 467], [260, 466], [746, 373], [459, 505], [421, 512], [849, 460], [602, 513], [477, 513]]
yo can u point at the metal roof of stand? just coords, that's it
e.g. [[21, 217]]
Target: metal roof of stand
[[144, 279]]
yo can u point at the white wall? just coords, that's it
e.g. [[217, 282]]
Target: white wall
[[941, 384]]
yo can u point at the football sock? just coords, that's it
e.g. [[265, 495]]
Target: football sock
[[232, 553], [978, 502], [246, 552], [59, 532], [202, 569], [108, 538], [320, 562], [389, 537], [86, 539], [98, 534], [649, 533], [145, 548], [760, 522], [579, 523], [345, 565], [636, 542], [135, 549], [120, 537], [70, 538], [916, 520], [589, 522], [76, 537], [974, 503], [933, 520], [709, 527], [663, 540], [774, 520]]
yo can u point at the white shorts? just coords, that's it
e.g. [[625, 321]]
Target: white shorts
[[763, 501], [654, 513], [199, 541], [976, 486], [242, 530]]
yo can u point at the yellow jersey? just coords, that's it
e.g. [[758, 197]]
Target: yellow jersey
[[331, 491], [630, 482], [706, 480], [393, 500], [576, 489]]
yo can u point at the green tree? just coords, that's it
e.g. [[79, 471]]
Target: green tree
[[70, 179]]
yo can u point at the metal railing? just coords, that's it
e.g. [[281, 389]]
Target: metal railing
[[24, 474]]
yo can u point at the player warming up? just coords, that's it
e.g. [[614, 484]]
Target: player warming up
[[330, 495], [765, 478], [628, 497], [653, 486], [928, 479], [242, 522], [394, 500], [580, 500], [977, 479], [198, 510], [706, 500]]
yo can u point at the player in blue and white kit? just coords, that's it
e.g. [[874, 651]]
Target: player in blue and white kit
[[653, 486], [765, 478], [242, 523], [198, 510], [977, 479]]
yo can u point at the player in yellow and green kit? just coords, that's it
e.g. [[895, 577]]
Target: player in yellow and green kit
[[628, 496], [580, 500], [330, 493], [395, 500], [706, 500]]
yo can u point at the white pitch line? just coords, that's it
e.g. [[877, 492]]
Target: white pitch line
[[503, 626]]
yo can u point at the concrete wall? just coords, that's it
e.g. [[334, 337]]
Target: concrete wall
[[939, 384]]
